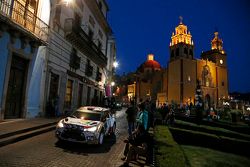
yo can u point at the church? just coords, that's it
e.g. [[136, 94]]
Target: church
[[177, 82]]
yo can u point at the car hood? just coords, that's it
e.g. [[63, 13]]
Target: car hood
[[81, 122]]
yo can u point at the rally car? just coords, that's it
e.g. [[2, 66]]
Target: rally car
[[88, 124]]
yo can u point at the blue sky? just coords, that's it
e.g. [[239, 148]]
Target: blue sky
[[144, 26]]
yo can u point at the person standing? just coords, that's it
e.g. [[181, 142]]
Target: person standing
[[131, 116]]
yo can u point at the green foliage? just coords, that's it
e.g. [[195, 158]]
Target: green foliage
[[211, 130], [204, 157], [168, 153]]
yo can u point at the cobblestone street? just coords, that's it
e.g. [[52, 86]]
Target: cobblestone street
[[44, 151]]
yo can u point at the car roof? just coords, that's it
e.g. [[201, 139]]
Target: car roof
[[92, 109]]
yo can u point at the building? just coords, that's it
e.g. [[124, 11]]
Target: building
[[23, 34], [177, 83], [77, 63], [44, 69], [146, 81]]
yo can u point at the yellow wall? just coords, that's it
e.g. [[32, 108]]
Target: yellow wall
[[189, 70], [222, 77], [165, 82], [174, 81]]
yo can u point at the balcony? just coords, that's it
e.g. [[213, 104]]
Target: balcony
[[24, 18], [75, 34]]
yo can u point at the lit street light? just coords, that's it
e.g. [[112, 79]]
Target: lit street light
[[115, 64], [112, 83]]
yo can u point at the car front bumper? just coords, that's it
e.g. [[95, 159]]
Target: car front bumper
[[77, 137]]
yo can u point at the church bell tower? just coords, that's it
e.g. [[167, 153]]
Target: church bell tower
[[181, 45], [217, 54]]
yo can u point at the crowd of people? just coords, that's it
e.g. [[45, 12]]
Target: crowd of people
[[140, 119]]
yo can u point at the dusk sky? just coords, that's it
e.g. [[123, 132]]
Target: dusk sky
[[145, 26]]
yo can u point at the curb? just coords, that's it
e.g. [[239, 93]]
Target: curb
[[14, 137]]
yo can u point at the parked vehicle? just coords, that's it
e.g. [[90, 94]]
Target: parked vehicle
[[88, 124]]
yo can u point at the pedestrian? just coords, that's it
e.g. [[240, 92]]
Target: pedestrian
[[138, 142], [131, 117]]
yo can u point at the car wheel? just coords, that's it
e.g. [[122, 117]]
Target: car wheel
[[101, 138]]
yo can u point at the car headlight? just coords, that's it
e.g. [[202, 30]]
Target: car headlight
[[92, 129], [60, 125]]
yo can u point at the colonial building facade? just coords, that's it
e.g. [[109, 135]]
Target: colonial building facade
[[177, 83], [77, 62], [44, 69], [23, 32]]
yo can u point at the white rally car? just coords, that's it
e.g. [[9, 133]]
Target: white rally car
[[87, 124]]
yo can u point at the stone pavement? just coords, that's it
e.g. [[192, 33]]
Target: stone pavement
[[12, 131]]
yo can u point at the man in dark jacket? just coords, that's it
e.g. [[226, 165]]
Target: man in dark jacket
[[131, 116]]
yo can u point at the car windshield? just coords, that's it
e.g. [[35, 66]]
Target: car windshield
[[86, 115]]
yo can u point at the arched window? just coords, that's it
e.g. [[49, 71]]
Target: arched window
[[172, 54], [177, 52], [185, 51], [191, 52]]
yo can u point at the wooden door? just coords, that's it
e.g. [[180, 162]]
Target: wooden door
[[16, 88]]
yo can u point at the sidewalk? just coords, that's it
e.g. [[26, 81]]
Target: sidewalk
[[15, 130]]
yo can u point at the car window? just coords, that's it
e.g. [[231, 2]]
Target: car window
[[87, 115]]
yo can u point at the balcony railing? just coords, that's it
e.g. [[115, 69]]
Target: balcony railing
[[76, 34], [24, 17]]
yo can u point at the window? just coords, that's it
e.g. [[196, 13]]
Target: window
[[100, 5], [172, 54], [91, 34], [222, 83], [79, 4], [177, 52], [100, 34], [80, 89], [68, 96], [58, 13], [33, 3], [99, 44], [78, 19], [191, 52], [185, 51], [92, 21]]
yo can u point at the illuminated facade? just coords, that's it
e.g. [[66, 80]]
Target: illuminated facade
[[177, 83], [184, 70], [147, 81]]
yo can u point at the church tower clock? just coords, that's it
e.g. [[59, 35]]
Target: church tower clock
[[217, 55]]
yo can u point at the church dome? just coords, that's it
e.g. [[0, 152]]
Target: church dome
[[150, 64]]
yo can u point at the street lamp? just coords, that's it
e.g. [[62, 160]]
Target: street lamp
[[112, 83], [115, 64]]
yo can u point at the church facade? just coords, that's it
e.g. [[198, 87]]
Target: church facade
[[178, 81]]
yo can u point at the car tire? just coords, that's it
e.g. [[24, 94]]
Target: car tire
[[101, 138]]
